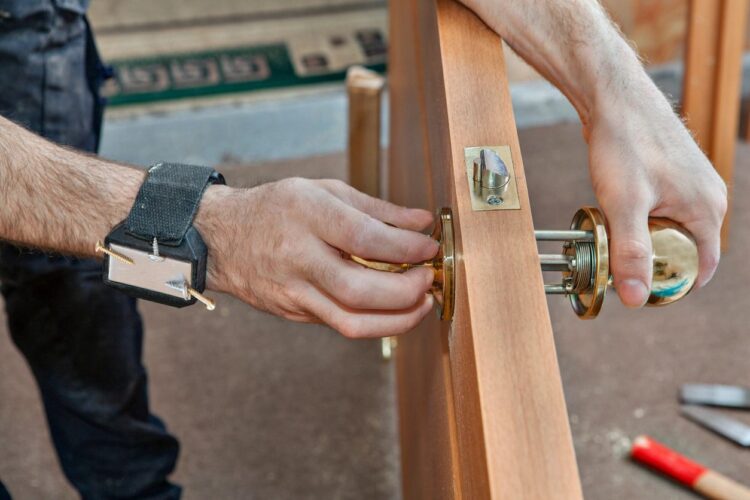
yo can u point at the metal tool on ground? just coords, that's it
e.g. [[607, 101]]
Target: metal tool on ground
[[695, 396], [701, 479]]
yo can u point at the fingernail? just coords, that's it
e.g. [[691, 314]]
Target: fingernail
[[633, 293], [430, 302]]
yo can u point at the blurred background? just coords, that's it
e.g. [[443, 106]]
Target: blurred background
[[269, 409]]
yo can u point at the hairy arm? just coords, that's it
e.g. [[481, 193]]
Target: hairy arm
[[572, 43], [58, 199], [642, 159], [276, 246]]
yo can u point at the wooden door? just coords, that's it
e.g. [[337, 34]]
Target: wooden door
[[482, 412]]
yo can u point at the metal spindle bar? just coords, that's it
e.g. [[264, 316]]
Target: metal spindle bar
[[556, 289], [556, 262], [563, 235]]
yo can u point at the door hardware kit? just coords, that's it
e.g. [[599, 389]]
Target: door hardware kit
[[584, 263]]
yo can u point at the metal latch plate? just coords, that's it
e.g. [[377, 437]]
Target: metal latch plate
[[486, 199]]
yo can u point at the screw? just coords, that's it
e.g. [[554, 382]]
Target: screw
[[494, 200]]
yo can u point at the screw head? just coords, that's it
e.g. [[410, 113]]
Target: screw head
[[494, 200]]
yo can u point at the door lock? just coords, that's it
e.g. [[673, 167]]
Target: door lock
[[584, 263], [443, 265]]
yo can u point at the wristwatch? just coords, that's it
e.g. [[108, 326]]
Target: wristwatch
[[156, 253]]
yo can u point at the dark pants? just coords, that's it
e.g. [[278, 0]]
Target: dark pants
[[82, 340]]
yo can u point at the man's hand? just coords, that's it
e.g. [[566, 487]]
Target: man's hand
[[278, 247], [643, 162], [642, 159]]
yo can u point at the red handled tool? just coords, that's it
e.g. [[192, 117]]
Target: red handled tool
[[705, 481]]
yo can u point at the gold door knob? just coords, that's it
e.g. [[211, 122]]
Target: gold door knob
[[584, 262], [443, 265]]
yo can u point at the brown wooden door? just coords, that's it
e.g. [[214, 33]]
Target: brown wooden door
[[482, 413]]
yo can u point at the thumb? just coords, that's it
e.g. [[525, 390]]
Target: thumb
[[630, 253]]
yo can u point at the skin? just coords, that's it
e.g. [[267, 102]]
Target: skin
[[278, 246], [642, 160]]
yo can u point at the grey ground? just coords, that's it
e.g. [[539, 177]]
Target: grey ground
[[270, 409]]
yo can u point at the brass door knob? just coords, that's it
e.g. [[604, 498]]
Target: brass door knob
[[584, 262], [443, 265]]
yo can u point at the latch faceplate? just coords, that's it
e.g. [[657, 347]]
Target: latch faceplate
[[492, 178]]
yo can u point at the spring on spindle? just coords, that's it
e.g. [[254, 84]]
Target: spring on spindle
[[582, 275]]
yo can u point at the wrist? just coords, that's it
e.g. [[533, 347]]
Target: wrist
[[219, 206], [609, 75]]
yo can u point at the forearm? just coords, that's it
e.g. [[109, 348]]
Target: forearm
[[58, 199], [574, 45]]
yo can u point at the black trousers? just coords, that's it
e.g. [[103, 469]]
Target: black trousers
[[81, 339]]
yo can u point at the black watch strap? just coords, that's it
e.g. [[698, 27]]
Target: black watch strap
[[168, 200]]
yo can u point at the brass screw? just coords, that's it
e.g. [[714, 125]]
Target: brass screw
[[210, 304], [99, 248], [188, 291]]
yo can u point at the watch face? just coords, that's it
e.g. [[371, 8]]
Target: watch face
[[159, 274]]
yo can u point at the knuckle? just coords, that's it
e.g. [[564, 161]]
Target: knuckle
[[353, 292], [294, 296], [352, 329], [296, 182], [338, 185], [286, 248], [721, 203], [360, 236]]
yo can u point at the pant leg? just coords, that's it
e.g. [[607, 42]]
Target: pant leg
[[4, 495], [83, 343], [81, 339]]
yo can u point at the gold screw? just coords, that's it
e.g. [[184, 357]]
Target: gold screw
[[99, 248], [210, 304]]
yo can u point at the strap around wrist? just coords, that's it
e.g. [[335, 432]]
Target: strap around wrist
[[168, 200]]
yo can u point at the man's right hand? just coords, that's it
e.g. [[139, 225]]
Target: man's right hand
[[278, 247]]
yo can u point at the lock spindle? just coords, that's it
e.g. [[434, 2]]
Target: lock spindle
[[583, 263]]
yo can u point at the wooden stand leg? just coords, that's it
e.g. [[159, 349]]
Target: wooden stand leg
[[713, 76], [365, 89]]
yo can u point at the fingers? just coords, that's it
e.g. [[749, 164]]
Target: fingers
[[630, 251], [357, 233], [407, 218], [708, 239], [365, 324], [361, 288]]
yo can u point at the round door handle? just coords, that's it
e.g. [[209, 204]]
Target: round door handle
[[584, 262], [442, 265]]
